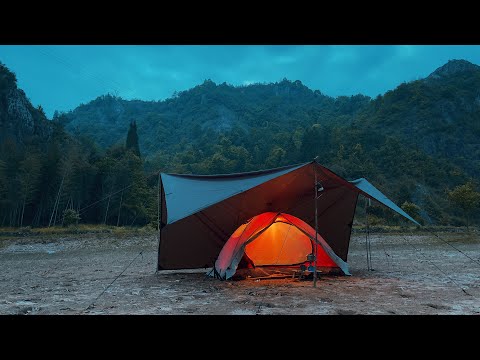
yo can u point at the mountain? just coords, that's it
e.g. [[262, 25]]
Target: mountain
[[45, 172], [206, 108], [439, 114], [415, 141], [20, 122], [453, 67]]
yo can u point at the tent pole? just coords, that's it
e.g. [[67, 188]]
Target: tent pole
[[158, 203], [316, 233], [367, 240], [159, 227]]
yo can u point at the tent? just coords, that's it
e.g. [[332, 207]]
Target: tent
[[199, 213], [275, 239]]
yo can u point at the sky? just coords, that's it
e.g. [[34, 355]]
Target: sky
[[61, 77]]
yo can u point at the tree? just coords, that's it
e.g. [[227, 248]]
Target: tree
[[10, 204], [3, 188], [132, 139], [70, 217], [412, 210], [219, 164], [313, 142], [276, 157], [466, 198], [29, 178], [41, 111], [137, 199]]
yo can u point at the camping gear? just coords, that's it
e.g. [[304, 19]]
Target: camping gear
[[198, 214], [275, 239]]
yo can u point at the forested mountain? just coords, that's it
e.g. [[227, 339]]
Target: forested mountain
[[209, 109], [439, 115], [45, 171], [415, 142]]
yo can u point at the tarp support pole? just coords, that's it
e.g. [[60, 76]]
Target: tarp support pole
[[367, 236], [159, 219], [316, 232]]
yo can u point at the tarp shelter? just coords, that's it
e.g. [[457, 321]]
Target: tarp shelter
[[199, 213]]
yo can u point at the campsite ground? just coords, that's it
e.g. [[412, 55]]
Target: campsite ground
[[413, 274]]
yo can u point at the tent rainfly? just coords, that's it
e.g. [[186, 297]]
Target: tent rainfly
[[200, 213]]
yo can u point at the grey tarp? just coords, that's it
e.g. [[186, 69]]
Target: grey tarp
[[199, 213], [374, 193], [187, 195]]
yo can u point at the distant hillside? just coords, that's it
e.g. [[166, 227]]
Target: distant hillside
[[208, 108], [439, 115]]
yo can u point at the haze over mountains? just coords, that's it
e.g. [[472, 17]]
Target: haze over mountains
[[413, 142]]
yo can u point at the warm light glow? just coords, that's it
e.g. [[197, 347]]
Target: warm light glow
[[272, 239], [280, 244]]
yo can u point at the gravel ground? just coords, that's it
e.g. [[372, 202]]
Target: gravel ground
[[413, 274]]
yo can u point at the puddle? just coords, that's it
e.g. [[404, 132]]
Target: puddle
[[242, 312], [49, 248], [24, 303]]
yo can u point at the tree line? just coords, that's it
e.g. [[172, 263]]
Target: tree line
[[40, 183], [72, 178]]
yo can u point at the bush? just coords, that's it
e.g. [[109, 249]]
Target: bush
[[70, 217], [375, 220]]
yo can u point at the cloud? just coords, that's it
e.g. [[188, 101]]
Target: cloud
[[62, 77]]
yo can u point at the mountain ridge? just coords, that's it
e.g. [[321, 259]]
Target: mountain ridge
[[452, 67], [419, 113], [213, 107]]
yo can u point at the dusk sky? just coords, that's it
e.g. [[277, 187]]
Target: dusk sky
[[62, 77]]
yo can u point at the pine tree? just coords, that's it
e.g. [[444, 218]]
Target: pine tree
[[136, 198], [132, 139], [29, 179], [3, 191]]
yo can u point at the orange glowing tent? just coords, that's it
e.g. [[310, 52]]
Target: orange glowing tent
[[275, 240]]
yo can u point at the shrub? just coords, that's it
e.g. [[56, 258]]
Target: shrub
[[70, 217]]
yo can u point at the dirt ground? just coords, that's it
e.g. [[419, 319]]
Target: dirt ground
[[413, 274]]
